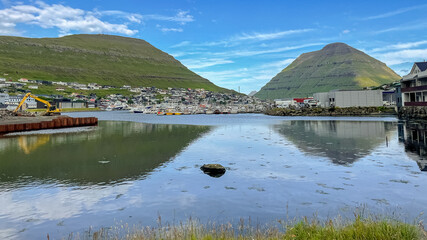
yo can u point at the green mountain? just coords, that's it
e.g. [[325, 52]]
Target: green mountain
[[103, 59], [336, 67]]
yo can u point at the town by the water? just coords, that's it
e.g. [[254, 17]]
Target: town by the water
[[192, 120], [152, 100]]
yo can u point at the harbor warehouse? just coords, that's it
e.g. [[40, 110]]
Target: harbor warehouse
[[369, 98]]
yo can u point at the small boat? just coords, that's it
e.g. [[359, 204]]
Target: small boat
[[137, 110]]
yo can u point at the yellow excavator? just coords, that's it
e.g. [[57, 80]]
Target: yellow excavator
[[51, 110]]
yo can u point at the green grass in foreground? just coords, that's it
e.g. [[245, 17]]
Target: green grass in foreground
[[358, 229]]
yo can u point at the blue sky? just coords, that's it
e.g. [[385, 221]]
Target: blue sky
[[235, 43]]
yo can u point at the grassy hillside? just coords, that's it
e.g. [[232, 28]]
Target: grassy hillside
[[336, 67], [104, 59]]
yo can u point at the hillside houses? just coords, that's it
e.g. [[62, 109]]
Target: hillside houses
[[74, 94], [177, 98]]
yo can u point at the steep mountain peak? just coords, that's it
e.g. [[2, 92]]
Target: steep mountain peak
[[338, 48], [335, 66], [336, 45]]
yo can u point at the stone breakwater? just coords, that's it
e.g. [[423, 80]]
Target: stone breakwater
[[413, 113], [333, 111], [19, 124]]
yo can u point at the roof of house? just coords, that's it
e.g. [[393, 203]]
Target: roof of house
[[422, 65]]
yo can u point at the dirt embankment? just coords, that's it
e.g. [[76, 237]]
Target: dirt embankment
[[6, 114], [9, 117]]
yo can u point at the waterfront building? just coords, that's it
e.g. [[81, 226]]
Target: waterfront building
[[414, 86], [3, 98], [369, 98], [414, 136], [13, 101], [390, 97]]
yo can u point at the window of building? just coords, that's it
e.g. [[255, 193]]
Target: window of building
[[412, 97], [418, 97]]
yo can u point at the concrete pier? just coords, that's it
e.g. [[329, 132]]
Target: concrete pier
[[19, 124]]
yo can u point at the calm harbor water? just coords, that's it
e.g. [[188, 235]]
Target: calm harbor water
[[133, 168]]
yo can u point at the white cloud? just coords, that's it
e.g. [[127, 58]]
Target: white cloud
[[181, 44], [244, 52], [402, 72], [399, 46], [411, 26], [239, 46], [268, 36], [396, 12], [171, 29], [66, 19], [63, 203], [282, 64], [236, 40], [256, 76], [212, 43], [8, 233], [346, 31], [181, 17], [204, 62], [402, 56], [132, 17], [247, 53], [178, 54]]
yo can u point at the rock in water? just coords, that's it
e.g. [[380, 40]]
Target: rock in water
[[213, 170]]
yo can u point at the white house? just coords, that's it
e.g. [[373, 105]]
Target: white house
[[414, 86], [15, 100], [4, 97]]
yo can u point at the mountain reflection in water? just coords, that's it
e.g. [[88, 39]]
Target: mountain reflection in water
[[112, 152], [413, 135], [344, 142]]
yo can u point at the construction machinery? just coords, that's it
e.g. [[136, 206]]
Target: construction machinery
[[50, 110]]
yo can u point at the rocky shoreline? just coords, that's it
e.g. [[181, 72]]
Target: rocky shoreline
[[332, 111]]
